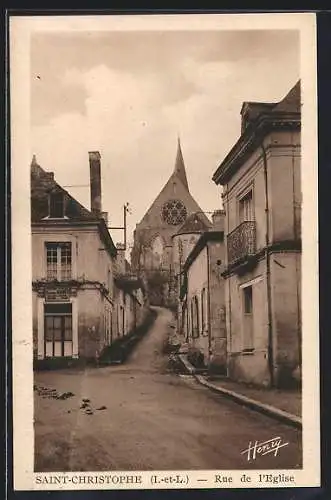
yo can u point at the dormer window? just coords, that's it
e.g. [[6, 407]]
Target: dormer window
[[56, 205]]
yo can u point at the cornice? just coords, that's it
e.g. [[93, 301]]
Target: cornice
[[250, 140]]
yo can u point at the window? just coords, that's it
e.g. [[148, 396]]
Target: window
[[174, 212], [157, 246], [192, 320], [195, 317], [248, 340], [108, 326], [203, 313], [58, 257], [56, 205], [123, 320], [248, 300], [246, 210], [58, 330]]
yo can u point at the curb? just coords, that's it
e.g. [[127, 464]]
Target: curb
[[266, 409], [189, 368]]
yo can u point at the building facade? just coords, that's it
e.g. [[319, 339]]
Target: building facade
[[130, 296], [262, 200], [203, 302], [152, 252], [74, 263]]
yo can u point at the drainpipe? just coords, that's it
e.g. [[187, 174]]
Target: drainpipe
[[295, 228], [229, 288], [267, 257], [209, 308]]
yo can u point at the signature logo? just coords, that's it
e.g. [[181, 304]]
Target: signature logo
[[260, 448]]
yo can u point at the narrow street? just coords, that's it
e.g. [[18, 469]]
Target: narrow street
[[144, 417]]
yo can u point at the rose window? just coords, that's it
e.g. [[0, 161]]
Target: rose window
[[174, 212]]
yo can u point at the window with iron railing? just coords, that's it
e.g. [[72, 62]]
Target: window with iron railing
[[59, 261], [246, 208], [241, 242]]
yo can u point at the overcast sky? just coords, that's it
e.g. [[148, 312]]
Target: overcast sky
[[129, 94]]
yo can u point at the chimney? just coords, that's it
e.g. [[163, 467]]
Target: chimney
[[218, 218], [104, 215], [95, 182]]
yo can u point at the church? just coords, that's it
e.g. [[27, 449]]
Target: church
[[153, 254]]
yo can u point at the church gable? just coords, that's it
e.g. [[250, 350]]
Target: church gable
[[170, 209], [152, 247], [174, 203]]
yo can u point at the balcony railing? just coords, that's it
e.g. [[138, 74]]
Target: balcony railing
[[241, 242]]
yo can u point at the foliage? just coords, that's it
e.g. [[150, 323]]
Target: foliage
[[196, 358]]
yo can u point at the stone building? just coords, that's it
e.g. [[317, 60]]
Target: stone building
[[152, 251], [202, 300], [183, 241], [129, 295], [74, 264], [262, 200]]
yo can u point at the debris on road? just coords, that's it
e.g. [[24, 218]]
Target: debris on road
[[46, 392]]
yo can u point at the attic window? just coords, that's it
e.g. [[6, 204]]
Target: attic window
[[56, 205]]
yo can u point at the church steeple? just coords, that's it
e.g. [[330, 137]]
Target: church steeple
[[179, 170]]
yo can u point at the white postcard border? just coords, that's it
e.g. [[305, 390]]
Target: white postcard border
[[23, 443]]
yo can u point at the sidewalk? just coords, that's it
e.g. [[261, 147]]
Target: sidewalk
[[289, 401], [285, 405]]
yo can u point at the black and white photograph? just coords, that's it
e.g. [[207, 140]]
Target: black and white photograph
[[164, 248]]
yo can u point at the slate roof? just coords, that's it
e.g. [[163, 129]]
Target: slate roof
[[291, 103], [195, 223], [179, 170], [42, 184], [258, 119]]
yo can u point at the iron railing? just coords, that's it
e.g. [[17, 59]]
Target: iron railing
[[241, 242]]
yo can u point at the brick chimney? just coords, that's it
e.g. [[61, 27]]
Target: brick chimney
[[218, 219], [95, 182]]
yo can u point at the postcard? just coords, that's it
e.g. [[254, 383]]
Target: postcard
[[165, 322]]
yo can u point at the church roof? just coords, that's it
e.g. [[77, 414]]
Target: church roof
[[195, 223], [179, 170]]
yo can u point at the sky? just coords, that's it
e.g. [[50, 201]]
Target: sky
[[129, 95]]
